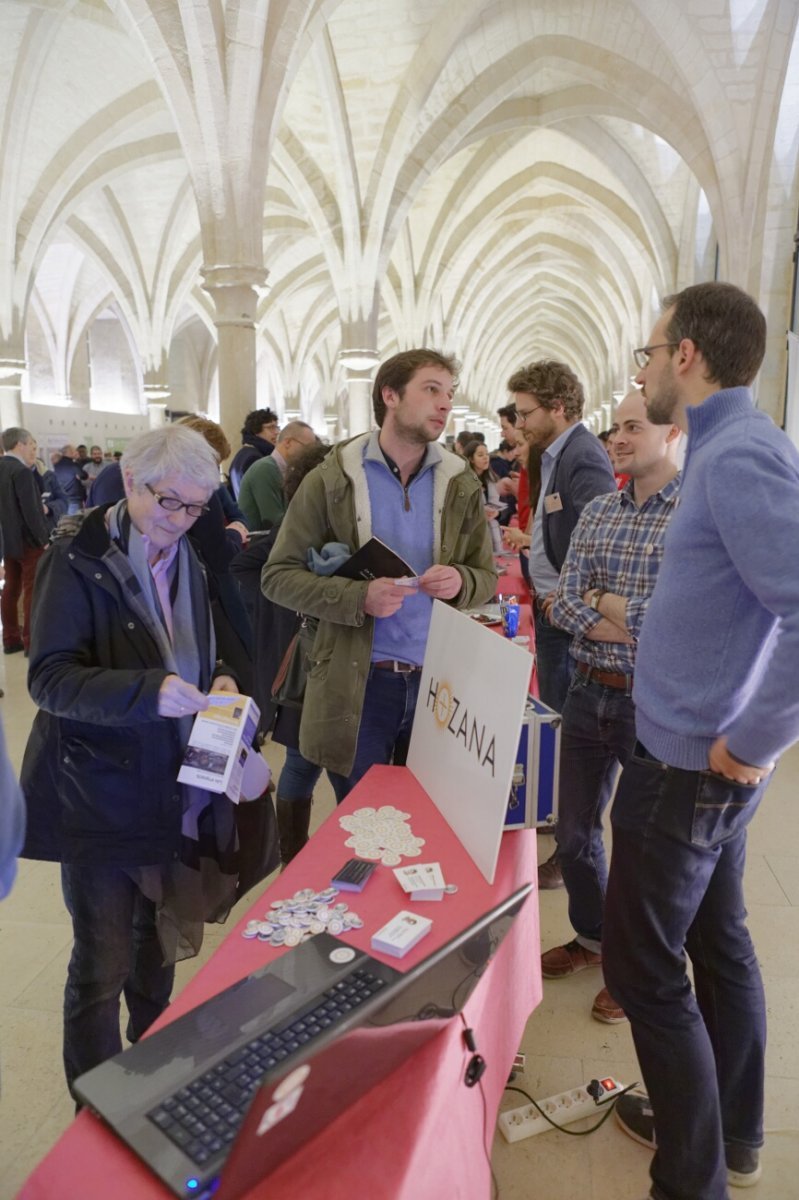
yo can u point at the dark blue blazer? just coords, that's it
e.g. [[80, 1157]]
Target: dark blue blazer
[[582, 471]]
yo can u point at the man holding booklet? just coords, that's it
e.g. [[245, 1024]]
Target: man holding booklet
[[394, 484]]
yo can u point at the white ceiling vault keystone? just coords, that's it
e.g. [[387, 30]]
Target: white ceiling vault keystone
[[251, 188]]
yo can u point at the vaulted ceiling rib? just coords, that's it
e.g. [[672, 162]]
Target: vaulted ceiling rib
[[517, 178]]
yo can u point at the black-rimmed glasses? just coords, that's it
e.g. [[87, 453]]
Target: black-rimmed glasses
[[172, 504]]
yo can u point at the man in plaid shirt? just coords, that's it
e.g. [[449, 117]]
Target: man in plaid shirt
[[604, 588]]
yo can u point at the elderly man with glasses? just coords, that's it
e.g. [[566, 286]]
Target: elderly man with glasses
[[262, 498]]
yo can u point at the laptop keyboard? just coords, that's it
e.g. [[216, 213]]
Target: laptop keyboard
[[204, 1117]]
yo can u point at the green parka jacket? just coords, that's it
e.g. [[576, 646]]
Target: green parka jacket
[[332, 505]]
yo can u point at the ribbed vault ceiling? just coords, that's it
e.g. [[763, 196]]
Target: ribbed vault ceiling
[[509, 180]]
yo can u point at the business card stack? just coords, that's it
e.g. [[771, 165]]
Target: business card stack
[[423, 882], [401, 934]]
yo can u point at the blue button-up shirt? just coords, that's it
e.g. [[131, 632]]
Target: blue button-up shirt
[[542, 573]]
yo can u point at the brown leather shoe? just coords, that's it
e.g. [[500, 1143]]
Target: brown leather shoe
[[606, 1009], [567, 960], [549, 874]]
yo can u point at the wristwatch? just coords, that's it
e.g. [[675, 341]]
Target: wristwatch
[[597, 596]]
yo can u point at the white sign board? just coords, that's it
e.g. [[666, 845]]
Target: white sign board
[[466, 728]]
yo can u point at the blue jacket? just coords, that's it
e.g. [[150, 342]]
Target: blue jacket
[[57, 502], [12, 819], [71, 476], [253, 449]]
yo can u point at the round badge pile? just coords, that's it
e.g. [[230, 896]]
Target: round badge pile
[[289, 922], [381, 833]]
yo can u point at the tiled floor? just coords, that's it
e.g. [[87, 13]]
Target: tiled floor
[[564, 1046]]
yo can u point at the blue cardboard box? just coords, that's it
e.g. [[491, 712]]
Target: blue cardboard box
[[536, 772]]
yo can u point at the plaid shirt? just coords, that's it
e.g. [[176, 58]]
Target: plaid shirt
[[618, 547]]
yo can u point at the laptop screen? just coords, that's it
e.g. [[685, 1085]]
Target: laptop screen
[[315, 1048], [285, 1113]]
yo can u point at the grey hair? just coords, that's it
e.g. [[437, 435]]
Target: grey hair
[[171, 450], [14, 435]]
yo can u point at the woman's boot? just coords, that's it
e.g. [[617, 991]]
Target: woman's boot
[[293, 820]]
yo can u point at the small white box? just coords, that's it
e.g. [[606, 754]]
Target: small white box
[[401, 934], [218, 744], [536, 772]]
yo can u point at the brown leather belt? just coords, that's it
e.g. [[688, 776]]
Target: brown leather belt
[[392, 664], [610, 679]]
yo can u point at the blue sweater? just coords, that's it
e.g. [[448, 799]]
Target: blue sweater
[[719, 646], [409, 533]]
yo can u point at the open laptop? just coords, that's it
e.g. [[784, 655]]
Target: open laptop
[[216, 1100]]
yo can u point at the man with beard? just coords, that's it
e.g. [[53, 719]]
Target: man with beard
[[716, 704], [602, 597], [427, 505], [549, 399]]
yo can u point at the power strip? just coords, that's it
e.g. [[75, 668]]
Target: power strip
[[563, 1109]]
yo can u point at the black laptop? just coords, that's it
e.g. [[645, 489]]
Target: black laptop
[[216, 1100]]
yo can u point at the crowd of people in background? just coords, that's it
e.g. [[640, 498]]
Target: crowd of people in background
[[135, 581]]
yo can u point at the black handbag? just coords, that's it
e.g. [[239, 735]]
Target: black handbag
[[259, 844], [288, 687]]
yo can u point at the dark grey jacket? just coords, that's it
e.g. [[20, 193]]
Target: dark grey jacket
[[21, 513], [582, 471]]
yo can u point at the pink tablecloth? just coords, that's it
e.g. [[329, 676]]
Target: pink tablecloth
[[421, 1133]]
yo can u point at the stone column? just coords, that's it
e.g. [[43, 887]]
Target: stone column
[[332, 425], [10, 404], [234, 290], [155, 384], [459, 419], [360, 367], [11, 369], [156, 414], [292, 409]]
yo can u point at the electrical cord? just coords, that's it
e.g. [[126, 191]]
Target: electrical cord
[[573, 1132], [494, 1180], [469, 1039]]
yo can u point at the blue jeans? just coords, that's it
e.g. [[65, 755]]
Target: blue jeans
[[554, 664], [597, 736], [386, 721], [298, 777], [116, 950], [675, 886]]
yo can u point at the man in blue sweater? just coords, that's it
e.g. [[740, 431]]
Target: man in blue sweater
[[399, 485], [716, 704]]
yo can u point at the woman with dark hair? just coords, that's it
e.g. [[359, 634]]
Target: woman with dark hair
[[218, 540], [479, 459], [274, 628]]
